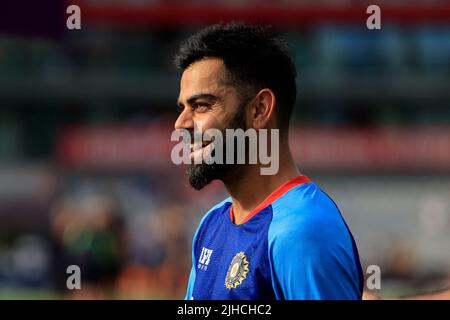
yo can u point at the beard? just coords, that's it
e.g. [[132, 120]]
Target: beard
[[200, 175]]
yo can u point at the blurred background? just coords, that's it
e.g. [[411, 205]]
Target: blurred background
[[86, 117]]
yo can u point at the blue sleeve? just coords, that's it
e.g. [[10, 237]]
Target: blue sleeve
[[312, 254], [190, 286], [191, 282]]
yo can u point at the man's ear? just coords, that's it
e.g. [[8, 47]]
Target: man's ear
[[263, 109]]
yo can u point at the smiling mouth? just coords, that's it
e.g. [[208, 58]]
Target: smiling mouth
[[195, 148], [202, 151]]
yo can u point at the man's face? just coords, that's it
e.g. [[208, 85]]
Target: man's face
[[208, 101]]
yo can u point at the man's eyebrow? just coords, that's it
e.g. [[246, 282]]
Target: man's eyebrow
[[207, 96]]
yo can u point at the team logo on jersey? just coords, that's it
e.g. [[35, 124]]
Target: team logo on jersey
[[237, 272], [205, 257]]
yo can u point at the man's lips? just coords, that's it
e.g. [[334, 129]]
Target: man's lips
[[205, 147], [196, 146]]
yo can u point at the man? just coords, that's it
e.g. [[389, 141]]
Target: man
[[277, 236]]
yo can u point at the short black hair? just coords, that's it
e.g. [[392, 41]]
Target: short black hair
[[254, 57]]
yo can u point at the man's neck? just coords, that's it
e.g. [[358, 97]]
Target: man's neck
[[250, 188]]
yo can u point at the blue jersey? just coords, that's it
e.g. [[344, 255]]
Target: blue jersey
[[294, 245]]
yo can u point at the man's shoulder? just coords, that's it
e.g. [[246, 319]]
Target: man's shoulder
[[209, 216], [213, 211], [306, 212], [219, 205], [306, 201]]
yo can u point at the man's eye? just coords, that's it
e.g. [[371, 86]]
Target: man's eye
[[201, 106]]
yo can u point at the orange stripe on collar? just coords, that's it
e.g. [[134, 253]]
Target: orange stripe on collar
[[285, 187]]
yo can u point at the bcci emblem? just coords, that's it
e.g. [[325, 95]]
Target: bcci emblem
[[237, 271]]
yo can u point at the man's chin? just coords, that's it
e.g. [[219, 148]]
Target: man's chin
[[200, 175]]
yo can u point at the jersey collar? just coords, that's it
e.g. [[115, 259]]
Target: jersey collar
[[280, 191]]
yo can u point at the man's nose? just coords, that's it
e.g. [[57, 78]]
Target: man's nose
[[184, 120]]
